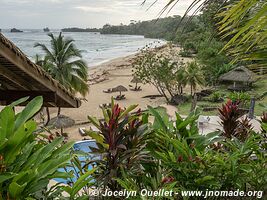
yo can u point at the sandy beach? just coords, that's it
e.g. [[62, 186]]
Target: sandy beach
[[102, 77], [109, 75]]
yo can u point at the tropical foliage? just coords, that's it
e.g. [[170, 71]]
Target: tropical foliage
[[121, 141], [184, 160], [247, 30], [194, 76], [242, 24], [28, 161], [135, 154]]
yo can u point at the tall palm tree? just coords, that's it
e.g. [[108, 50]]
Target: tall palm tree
[[181, 77], [64, 63], [194, 76]]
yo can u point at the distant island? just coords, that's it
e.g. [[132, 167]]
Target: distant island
[[14, 30], [80, 30], [46, 29]]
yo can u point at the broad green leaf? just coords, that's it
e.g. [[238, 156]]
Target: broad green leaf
[[158, 119], [7, 118], [5, 176], [29, 111], [15, 189], [81, 182], [94, 121], [16, 103]]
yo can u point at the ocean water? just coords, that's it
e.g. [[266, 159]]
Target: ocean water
[[96, 48]]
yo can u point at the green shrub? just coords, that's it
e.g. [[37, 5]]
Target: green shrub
[[184, 160], [27, 161], [242, 97], [216, 97]]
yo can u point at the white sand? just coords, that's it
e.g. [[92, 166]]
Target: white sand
[[109, 75]]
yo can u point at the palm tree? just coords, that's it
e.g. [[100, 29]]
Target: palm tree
[[64, 63], [181, 79], [194, 76]]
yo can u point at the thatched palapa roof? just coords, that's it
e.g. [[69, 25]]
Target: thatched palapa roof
[[120, 88], [61, 121], [20, 77], [239, 74], [136, 80]]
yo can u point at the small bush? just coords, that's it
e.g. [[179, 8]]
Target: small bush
[[242, 97], [216, 97]]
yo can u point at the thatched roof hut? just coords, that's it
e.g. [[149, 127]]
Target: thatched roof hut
[[20, 77], [239, 74]]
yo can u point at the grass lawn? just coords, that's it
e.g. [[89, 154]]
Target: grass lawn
[[259, 88]]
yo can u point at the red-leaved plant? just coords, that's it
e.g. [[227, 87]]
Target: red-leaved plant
[[232, 126], [243, 130], [121, 141], [229, 114]]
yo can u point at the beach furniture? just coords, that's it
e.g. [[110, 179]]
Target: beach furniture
[[202, 120], [120, 97], [136, 89], [110, 90], [136, 81], [82, 131], [105, 105]]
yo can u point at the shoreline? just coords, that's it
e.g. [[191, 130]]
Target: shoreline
[[98, 73], [108, 75]]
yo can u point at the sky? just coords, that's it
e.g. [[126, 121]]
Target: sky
[[79, 13]]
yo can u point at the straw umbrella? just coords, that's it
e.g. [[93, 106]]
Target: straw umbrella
[[136, 81], [61, 121], [120, 89]]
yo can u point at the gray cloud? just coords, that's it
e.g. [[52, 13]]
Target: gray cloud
[[81, 13]]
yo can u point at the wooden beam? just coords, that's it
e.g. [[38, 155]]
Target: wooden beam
[[13, 95], [11, 76], [21, 64]]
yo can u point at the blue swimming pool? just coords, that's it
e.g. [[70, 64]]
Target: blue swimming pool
[[82, 148]]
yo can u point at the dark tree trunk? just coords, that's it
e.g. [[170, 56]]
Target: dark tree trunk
[[58, 112], [194, 102], [48, 116], [161, 91], [168, 89]]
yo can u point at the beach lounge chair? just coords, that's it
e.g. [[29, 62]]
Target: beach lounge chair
[[120, 97], [136, 89], [82, 131], [110, 90], [105, 105]]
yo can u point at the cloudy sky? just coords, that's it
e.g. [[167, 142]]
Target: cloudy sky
[[79, 13]]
